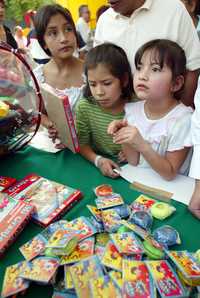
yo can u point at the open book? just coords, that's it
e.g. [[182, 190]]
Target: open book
[[59, 112]]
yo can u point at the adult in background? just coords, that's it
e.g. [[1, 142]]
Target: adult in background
[[101, 10], [193, 7], [130, 24], [194, 205], [5, 33], [82, 25], [35, 50]]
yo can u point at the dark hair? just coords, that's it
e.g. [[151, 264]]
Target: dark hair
[[167, 52], [116, 60], [42, 18], [197, 7], [3, 2], [81, 8], [101, 10]]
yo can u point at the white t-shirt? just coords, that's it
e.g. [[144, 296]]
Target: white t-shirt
[[170, 133], [167, 19], [73, 93], [195, 134]]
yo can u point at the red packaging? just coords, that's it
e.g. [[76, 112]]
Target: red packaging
[[6, 182], [50, 199], [13, 223]]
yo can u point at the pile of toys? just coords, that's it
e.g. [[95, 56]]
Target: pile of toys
[[113, 253]]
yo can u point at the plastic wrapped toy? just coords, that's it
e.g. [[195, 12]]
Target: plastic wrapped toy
[[141, 218], [20, 101], [167, 236]]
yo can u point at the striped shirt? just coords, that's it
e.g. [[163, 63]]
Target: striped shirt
[[92, 123]]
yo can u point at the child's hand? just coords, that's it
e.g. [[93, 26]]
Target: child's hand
[[107, 166], [129, 135], [122, 156], [53, 134], [115, 125]]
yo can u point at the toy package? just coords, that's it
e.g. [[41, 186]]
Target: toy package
[[104, 287], [50, 199], [13, 218], [84, 272], [83, 250], [137, 281], [166, 280], [6, 182], [20, 101], [189, 268], [13, 283]]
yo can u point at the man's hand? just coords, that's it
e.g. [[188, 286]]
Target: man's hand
[[194, 205]]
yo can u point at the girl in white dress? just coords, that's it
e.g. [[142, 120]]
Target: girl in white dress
[[155, 131], [56, 34]]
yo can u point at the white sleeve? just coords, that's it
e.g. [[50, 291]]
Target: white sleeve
[[189, 40], [129, 113], [195, 131], [98, 38], [180, 133]]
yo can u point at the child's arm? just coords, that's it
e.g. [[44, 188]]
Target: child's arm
[[131, 155], [167, 166], [105, 165]]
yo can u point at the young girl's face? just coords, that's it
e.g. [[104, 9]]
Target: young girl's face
[[150, 81], [105, 88], [59, 37]]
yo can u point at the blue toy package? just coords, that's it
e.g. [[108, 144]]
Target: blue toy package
[[167, 236], [141, 218]]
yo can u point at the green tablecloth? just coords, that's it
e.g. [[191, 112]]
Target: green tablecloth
[[73, 170]]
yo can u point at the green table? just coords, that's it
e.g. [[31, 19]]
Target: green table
[[73, 170]]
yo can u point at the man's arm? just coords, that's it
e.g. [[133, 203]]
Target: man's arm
[[194, 205], [187, 95]]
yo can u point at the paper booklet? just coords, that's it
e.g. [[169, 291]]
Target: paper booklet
[[59, 112], [181, 187]]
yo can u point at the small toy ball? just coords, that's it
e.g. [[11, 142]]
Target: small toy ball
[[162, 210], [167, 236], [123, 210], [141, 218], [197, 255], [153, 249], [103, 190]]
